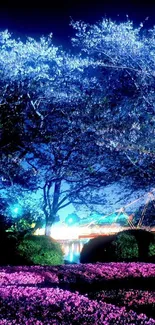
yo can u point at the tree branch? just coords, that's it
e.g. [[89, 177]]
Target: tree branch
[[63, 206], [35, 109]]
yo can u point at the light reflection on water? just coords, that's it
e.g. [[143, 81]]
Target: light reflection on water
[[72, 249]]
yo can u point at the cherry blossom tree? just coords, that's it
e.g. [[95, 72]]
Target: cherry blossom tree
[[71, 124], [124, 60]]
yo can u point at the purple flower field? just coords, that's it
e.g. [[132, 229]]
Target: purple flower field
[[33, 295]]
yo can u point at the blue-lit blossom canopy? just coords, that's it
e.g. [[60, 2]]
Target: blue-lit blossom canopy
[[73, 124]]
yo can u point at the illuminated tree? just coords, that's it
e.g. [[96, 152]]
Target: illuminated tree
[[43, 129], [72, 124], [124, 60]]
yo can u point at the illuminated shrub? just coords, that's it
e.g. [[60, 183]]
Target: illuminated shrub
[[125, 247], [133, 244], [41, 250], [152, 249]]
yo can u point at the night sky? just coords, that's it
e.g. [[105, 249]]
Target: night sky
[[43, 19]]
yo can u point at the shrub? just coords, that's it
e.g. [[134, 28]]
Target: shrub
[[125, 247], [151, 252], [7, 249], [128, 245], [40, 250], [152, 249], [144, 239], [17, 249], [98, 249]]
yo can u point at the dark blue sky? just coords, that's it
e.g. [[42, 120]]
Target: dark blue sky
[[44, 18]]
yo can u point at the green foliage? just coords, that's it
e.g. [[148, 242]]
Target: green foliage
[[152, 249], [128, 245], [41, 250], [125, 246], [25, 225], [143, 239], [21, 225], [133, 244]]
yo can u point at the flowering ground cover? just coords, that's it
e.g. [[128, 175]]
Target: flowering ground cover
[[70, 273], [141, 301], [33, 295]]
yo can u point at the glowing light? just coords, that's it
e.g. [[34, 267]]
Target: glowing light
[[76, 233], [71, 219], [16, 210], [66, 249], [40, 232], [71, 257], [64, 232], [33, 225], [81, 246]]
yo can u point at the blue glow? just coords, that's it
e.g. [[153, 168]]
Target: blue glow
[[71, 257], [16, 210], [72, 219]]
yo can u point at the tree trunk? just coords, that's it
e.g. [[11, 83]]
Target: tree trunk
[[47, 230], [48, 227], [50, 209]]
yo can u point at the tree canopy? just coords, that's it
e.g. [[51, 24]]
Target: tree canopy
[[73, 123]]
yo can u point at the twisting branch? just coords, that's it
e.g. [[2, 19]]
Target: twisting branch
[[37, 102]]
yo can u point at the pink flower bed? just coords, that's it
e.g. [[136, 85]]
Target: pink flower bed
[[138, 300], [23, 301], [137, 297], [69, 273], [107, 271], [56, 306], [27, 275]]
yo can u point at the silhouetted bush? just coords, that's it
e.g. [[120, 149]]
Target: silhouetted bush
[[99, 249], [129, 245], [8, 249]]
